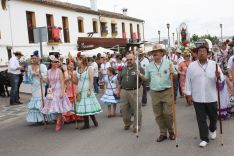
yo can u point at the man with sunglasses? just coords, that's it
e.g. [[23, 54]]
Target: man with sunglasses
[[128, 82], [158, 73]]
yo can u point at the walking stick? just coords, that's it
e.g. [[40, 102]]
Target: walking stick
[[137, 59], [220, 120], [42, 94], [73, 92], [173, 105]]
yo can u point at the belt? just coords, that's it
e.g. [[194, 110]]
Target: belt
[[160, 91], [129, 88]]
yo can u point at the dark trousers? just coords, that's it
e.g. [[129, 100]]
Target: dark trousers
[[95, 84], [144, 95], [202, 111], [176, 85], [14, 81], [180, 90]]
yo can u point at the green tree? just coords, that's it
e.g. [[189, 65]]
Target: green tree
[[194, 38]]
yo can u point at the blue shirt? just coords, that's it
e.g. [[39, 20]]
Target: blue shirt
[[159, 75]]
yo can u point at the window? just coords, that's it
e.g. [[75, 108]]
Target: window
[[50, 25], [31, 24], [123, 27], [66, 30], [114, 29], [104, 30], [95, 26], [80, 24], [138, 32], [131, 31]]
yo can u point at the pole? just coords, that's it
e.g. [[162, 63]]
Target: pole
[[173, 34], [173, 104], [221, 29], [168, 27], [137, 60], [159, 36], [40, 38], [220, 120]]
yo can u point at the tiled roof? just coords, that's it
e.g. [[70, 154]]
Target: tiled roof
[[84, 9]]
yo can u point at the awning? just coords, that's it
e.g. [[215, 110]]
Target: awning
[[113, 21], [103, 20]]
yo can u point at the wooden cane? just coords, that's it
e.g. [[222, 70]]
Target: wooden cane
[[220, 120], [173, 104], [42, 94]]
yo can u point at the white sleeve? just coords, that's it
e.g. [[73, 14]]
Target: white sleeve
[[13, 64], [188, 85], [229, 64]]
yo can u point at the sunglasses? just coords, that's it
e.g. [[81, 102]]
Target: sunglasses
[[129, 59], [55, 62]]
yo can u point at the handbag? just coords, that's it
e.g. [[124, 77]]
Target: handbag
[[115, 96], [78, 94], [232, 100]]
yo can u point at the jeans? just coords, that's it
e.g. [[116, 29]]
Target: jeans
[[14, 81], [95, 84], [176, 87]]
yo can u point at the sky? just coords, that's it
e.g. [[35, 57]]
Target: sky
[[201, 16]]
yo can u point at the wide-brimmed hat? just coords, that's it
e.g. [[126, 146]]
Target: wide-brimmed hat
[[178, 51], [18, 53], [157, 47]]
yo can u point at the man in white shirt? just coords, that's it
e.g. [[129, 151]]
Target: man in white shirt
[[95, 75], [143, 62], [200, 89], [14, 73]]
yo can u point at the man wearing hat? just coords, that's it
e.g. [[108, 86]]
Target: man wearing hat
[[158, 73], [200, 90], [179, 60], [14, 75], [143, 62]]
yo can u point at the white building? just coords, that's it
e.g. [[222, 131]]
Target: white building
[[66, 23]]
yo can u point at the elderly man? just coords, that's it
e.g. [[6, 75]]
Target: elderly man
[[128, 81], [14, 75], [201, 91], [158, 73]]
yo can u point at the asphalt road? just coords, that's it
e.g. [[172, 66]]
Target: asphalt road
[[109, 139]]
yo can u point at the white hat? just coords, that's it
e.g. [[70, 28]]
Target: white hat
[[178, 51]]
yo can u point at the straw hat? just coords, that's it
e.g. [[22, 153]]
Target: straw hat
[[157, 47], [18, 53]]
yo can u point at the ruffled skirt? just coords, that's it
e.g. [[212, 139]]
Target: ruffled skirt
[[57, 105]]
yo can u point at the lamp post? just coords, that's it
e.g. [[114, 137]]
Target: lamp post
[[173, 34], [159, 36], [168, 28], [221, 29]]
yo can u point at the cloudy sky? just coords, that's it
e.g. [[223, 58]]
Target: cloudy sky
[[201, 16]]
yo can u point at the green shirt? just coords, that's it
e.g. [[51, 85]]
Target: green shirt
[[129, 77], [159, 75]]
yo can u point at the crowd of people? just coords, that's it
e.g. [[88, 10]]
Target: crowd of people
[[66, 92]]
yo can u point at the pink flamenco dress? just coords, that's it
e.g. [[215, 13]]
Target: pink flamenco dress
[[55, 104], [71, 116]]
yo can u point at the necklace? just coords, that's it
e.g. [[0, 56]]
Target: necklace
[[158, 68], [204, 66]]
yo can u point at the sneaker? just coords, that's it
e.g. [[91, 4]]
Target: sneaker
[[203, 144], [212, 135]]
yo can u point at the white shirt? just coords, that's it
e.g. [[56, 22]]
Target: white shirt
[[13, 65], [95, 69], [104, 67], [143, 62], [229, 64], [201, 81]]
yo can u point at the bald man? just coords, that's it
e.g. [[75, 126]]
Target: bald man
[[128, 93]]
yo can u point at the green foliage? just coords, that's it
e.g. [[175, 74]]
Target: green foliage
[[213, 39]]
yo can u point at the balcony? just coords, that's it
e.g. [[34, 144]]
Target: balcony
[[104, 33], [114, 33], [54, 34]]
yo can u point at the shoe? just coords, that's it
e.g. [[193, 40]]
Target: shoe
[[86, 123], [203, 144], [58, 126], [94, 120], [161, 138], [172, 136], [126, 127], [212, 135], [135, 130], [18, 102]]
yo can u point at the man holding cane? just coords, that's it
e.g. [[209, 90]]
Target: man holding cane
[[200, 89]]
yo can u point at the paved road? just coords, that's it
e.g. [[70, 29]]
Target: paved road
[[109, 139]]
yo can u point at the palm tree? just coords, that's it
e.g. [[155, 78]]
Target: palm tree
[[3, 2]]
